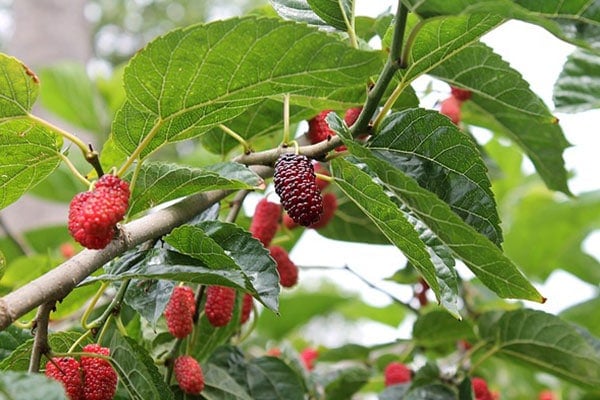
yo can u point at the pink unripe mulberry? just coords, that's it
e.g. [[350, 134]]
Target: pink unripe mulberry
[[288, 271], [100, 378], [308, 357], [218, 308], [180, 311], [265, 221], [66, 370], [188, 374], [396, 373], [480, 389], [451, 108]]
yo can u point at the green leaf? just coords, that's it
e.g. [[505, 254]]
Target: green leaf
[[297, 10], [19, 359], [427, 328], [544, 341], [566, 20], [165, 264], [68, 92], [226, 245], [368, 27], [30, 152], [149, 297], [21, 385], [356, 310], [11, 338], [503, 98], [484, 258], [136, 370], [350, 224], [580, 315], [442, 159], [209, 76], [374, 202], [336, 13], [578, 86], [343, 383], [439, 39], [559, 239], [394, 392], [346, 352], [269, 378], [219, 385], [431, 392], [19, 88], [158, 182]]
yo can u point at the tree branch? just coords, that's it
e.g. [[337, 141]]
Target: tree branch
[[40, 342], [59, 282]]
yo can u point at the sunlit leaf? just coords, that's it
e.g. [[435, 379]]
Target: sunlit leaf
[[578, 86]]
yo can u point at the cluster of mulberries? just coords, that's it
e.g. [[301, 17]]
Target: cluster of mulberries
[[92, 378]]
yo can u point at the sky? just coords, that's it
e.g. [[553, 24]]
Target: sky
[[539, 57]]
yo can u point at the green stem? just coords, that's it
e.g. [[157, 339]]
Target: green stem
[[350, 24], [69, 136], [481, 359], [74, 170], [392, 65], [90, 307], [237, 137], [138, 150], [286, 118]]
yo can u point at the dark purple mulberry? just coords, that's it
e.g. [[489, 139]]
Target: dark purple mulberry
[[295, 183]]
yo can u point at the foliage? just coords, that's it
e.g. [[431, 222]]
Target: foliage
[[229, 92]]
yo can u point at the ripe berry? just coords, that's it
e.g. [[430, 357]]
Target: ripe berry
[[246, 308], [100, 379], [308, 357], [188, 374], [94, 215], [451, 108], [295, 184], [265, 221], [66, 371], [351, 115], [180, 310], [288, 271], [396, 373], [480, 389], [218, 308], [329, 206], [460, 94]]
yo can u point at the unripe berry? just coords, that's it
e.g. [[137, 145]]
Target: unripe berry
[[351, 115], [318, 130], [188, 374], [67, 250], [66, 371], [247, 303], [460, 94], [396, 373], [218, 308], [100, 379], [180, 311], [295, 184], [547, 395], [329, 206], [451, 108], [265, 221], [308, 357], [288, 222], [480, 389], [288, 271], [94, 215]]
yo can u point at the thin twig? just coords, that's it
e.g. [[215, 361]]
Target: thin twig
[[18, 240], [236, 205], [368, 283], [40, 342]]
